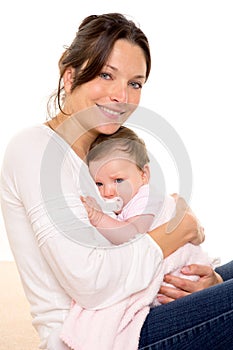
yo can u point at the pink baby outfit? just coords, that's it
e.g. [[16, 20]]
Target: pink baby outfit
[[118, 327]]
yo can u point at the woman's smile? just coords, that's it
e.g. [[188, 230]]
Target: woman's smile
[[110, 112]]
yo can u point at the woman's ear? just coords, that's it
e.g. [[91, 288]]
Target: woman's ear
[[146, 174], [68, 79]]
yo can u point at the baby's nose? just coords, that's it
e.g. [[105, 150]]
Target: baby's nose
[[110, 191]]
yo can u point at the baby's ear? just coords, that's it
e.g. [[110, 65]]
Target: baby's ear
[[146, 174]]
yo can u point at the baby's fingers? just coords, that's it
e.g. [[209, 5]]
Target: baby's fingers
[[83, 199]]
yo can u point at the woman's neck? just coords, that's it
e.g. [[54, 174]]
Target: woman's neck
[[73, 133]]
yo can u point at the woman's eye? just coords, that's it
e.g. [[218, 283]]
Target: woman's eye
[[99, 184], [118, 181], [135, 85], [105, 76]]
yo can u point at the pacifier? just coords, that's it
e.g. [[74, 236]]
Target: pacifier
[[113, 205]]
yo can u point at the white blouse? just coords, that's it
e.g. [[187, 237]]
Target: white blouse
[[59, 255]]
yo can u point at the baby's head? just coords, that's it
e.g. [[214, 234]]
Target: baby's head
[[118, 164]]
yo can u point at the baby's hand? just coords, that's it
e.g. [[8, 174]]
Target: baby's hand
[[93, 209]]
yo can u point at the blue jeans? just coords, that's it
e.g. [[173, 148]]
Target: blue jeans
[[202, 320]]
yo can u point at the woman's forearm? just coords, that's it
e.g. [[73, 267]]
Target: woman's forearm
[[173, 235]]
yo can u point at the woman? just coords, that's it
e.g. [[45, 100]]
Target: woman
[[58, 254]]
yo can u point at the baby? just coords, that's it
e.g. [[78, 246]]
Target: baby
[[119, 165]]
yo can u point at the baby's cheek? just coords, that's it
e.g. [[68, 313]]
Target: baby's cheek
[[125, 191]]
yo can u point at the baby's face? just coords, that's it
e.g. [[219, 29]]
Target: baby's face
[[117, 177]]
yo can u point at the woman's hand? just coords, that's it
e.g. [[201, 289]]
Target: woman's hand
[[181, 229], [183, 287], [187, 219]]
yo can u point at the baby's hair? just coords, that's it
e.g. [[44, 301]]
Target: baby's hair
[[124, 140]]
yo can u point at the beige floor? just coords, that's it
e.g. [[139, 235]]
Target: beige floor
[[16, 331]]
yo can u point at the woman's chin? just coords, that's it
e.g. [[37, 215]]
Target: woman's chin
[[108, 129]]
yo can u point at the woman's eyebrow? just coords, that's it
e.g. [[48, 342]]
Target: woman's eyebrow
[[116, 69], [112, 67]]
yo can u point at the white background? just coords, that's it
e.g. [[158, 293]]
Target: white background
[[191, 86]]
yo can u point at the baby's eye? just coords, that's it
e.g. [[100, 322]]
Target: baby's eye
[[105, 76], [99, 184], [118, 181], [135, 85]]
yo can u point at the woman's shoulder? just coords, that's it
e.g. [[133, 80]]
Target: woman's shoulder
[[29, 145], [28, 135], [36, 138], [30, 132]]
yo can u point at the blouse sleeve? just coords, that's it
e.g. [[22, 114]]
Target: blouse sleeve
[[99, 277], [43, 174]]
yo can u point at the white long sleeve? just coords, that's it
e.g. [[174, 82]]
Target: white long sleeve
[[59, 255]]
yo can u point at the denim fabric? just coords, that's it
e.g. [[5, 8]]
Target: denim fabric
[[202, 320], [226, 271]]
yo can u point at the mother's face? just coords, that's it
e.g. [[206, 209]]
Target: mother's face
[[110, 98]]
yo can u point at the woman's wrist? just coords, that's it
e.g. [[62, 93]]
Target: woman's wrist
[[177, 232], [168, 242]]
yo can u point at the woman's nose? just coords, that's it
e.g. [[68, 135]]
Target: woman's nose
[[119, 93]]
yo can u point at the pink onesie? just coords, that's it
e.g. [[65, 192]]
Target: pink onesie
[[113, 326]]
